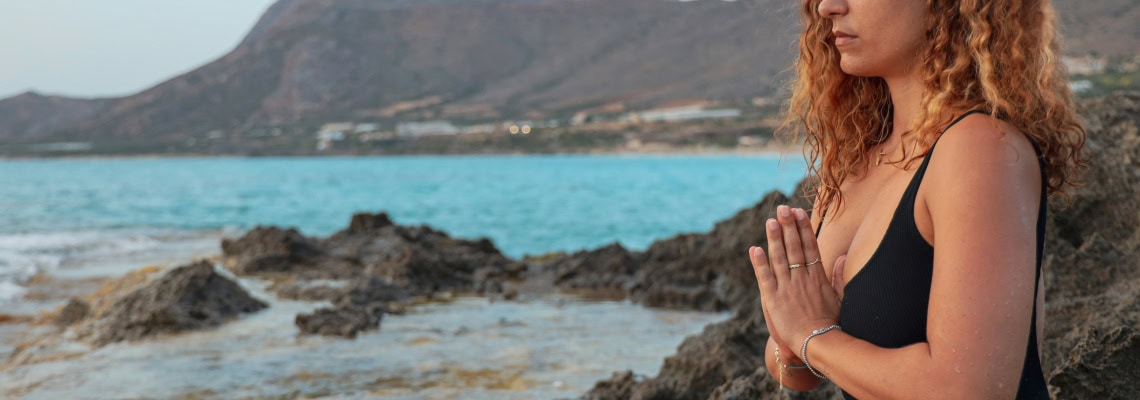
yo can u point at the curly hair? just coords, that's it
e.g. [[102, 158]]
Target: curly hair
[[1000, 56]]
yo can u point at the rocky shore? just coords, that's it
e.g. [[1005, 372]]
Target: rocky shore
[[376, 268]]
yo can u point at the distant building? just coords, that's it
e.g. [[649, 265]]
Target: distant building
[[1080, 86], [683, 113], [580, 118], [366, 127], [1087, 65], [332, 136], [374, 136], [337, 127], [480, 128], [426, 128]]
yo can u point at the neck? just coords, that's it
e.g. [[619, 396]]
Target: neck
[[906, 94]]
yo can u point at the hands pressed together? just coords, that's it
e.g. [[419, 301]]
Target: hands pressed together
[[797, 294]]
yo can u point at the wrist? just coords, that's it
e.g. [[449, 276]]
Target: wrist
[[805, 345]]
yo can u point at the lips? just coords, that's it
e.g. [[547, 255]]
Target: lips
[[843, 38]]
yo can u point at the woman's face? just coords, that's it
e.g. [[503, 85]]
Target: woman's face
[[876, 37]]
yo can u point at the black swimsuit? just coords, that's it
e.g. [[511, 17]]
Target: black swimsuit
[[885, 303]]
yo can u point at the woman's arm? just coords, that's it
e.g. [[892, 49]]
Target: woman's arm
[[795, 378], [981, 292]]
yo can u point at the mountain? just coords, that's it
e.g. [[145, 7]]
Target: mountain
[[311, 61], [31, 114]]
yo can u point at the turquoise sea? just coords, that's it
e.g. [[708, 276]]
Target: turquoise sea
[[95, 218], [55, 212]]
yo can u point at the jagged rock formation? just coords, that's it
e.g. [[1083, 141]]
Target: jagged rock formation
[[188, 297]]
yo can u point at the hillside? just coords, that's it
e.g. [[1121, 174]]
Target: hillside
[[311, 61]]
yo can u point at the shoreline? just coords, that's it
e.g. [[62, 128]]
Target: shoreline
[[763, 151]]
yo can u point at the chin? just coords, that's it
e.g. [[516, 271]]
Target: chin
[[856, 68]]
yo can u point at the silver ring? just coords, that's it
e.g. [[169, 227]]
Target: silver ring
[[794, 266], [812, 263]]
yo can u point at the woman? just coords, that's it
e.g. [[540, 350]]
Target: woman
[[925, 279]]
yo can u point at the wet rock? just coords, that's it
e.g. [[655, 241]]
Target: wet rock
[[309, 290], [271, 249], [344, 321], [359, 307], [418, 259], [74, 311], [707, 272], [371, 291], [608, 271], [185, 298]]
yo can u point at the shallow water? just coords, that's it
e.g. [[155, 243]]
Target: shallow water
[[470, 348]]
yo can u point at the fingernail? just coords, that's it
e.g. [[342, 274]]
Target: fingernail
[[800, 214], [752, 251], [783, 211], [772, 224]]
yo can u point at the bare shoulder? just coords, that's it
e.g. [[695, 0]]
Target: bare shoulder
[[980, 147]]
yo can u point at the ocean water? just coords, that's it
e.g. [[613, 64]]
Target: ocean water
[[81, 220], [101, 217]]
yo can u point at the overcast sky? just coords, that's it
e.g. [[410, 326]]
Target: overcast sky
[[95, 48]]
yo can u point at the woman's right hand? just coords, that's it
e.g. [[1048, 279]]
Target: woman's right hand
[[789, 356]]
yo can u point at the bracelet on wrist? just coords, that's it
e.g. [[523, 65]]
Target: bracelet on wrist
[[787, 366], [803, 348]]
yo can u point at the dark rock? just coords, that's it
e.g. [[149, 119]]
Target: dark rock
[[1102, 366], [370, 291], [189, 297], [270, 249], [417, 259], [604, 272], [358, 308], [345, 321], [369, 222], [708, 272], [1092, 270], [619, 386], [74, 311], [308, 291]]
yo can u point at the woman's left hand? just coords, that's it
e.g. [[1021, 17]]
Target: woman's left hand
[[797, 300]]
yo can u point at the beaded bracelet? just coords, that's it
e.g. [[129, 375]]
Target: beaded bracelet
[[803, 348]]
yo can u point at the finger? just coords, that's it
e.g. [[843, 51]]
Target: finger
[[810, 246], [791, 232], [837, 275], [777, 257], [764, 278]]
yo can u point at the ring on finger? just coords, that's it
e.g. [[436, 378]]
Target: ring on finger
[[812, 263], [794, 266]]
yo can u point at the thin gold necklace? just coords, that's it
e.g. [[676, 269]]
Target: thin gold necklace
[[879, 159]]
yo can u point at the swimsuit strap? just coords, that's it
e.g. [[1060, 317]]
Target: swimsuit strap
[[823, 214]]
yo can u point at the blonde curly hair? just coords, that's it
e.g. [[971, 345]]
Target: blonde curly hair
[[1000, 56]]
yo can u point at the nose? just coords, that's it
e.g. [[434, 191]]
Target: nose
[[832, 8]]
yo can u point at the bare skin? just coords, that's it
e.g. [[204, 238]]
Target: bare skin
[[984, 258]]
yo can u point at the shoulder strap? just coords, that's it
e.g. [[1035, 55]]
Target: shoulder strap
[[921, 168]]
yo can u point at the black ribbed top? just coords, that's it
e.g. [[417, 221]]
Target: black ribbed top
[[885, 303]]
